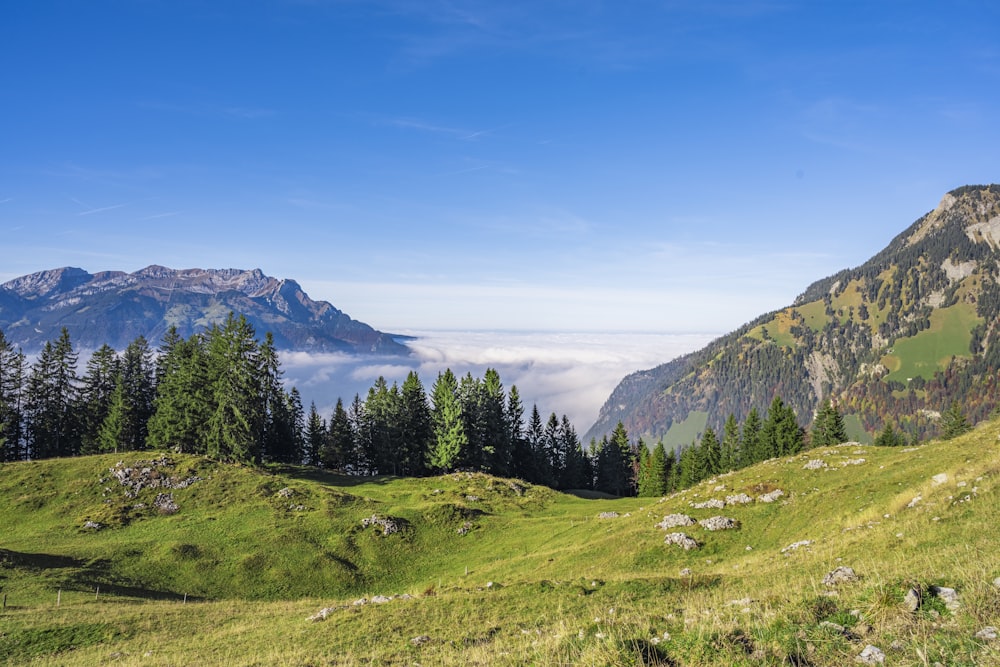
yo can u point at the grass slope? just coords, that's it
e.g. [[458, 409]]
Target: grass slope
[[499, 572]]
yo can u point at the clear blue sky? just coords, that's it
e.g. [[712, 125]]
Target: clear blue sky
[[584, 165]]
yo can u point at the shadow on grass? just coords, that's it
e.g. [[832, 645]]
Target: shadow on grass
[[81, 575], [328, 477]]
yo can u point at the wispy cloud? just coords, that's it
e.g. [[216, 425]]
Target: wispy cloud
[[157, 216], [462, 134], [101, 209], [4, 201]]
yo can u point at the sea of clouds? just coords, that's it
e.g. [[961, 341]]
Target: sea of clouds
[[570, 374]]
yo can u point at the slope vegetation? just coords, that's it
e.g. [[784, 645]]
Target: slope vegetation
[[892, 341], [164, 559]]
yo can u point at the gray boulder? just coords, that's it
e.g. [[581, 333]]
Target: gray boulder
[[674, 520], [841, 575]]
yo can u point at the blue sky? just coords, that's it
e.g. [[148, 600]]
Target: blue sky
[[542, 165]]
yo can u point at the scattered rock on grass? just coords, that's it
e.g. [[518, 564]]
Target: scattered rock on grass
[[939, 479], [795, 545], [989, 633], [682, 540], [674, 520], [947, 595], [871, 655], [815, 464], [420, 640], [286, 492], [770, 497], [608, 515], [911, 601], [165, 503], [388, 524], [93, 525], [739, 499], [714, 504], [841, 575], [719, 523]]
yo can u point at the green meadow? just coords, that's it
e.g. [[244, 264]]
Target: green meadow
[[471, 569]]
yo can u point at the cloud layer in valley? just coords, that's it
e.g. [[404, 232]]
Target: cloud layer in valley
[[565, 373]]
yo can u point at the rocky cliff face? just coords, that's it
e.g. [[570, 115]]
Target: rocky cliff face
[[114, 307], [893, 340]]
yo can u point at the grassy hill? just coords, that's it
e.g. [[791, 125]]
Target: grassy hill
[[197, 562]]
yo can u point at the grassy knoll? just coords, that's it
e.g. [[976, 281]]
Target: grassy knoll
[[499, 572]]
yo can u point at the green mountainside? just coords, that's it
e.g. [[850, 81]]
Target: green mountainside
[[152, 558], [895, 340]]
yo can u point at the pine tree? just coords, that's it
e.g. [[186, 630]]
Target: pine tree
[[450, 439], [521, 453], [184, 399], [137, 375], [96, 391], [828, 427], [552, 462], [51, 401], [497, 453], [711, 452], [752, 450], [781, 434], [574, 472], [415, 429], [613, 467], [111, 437], [538, 464], [315, 437], [731, 446], [339, 440], [12, 370], [953, 422], [889, 437], [234, 426]]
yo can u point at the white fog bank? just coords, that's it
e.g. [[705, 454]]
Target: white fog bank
[[565, 373]]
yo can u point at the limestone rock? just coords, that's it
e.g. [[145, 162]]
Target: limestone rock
[[795, 545], [947, 595], [714, 504], [739, 499], [420, 640], [608, 515], [815, 464], [841, 575], [989, 633], [681, 540], [770, 497], [674, 520], [719, 523], [871, 655], [912, 600]]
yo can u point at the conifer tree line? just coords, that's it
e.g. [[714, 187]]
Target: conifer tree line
[[220, 393]]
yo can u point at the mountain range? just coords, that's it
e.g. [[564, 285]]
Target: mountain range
[[894, 340], [115, 307]]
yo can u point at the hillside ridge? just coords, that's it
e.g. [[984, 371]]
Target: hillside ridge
[[911, 329], [115, 307]]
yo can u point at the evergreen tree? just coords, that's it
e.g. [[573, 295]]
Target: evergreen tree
[[953, 422], [781, 434], [296, 426], [889, 437], [731, 446], [277, 438], [51, 401], [671, 471], [137, 376], [753, 452], [449, 439], [552, 463], [96, 390], [711, 452], [234, 426], [111, 437], [613, 467], [521, 454], [538, 464], [828, 427], [184, 396], [574, 474], [12, 369], [315, 437], [416, 427], [496, 445], [652, 471], [339, 441]]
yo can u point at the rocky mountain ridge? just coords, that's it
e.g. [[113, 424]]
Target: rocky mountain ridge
[[892, 341], [115, 307]]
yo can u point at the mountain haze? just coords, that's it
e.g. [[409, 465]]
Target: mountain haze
[[893, 340], [115, 307]]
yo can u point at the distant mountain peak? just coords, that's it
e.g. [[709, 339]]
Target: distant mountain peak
[[908, 331], [115, 307]]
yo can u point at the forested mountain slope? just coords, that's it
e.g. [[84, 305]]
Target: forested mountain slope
[[114, 308], [894, 340]]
